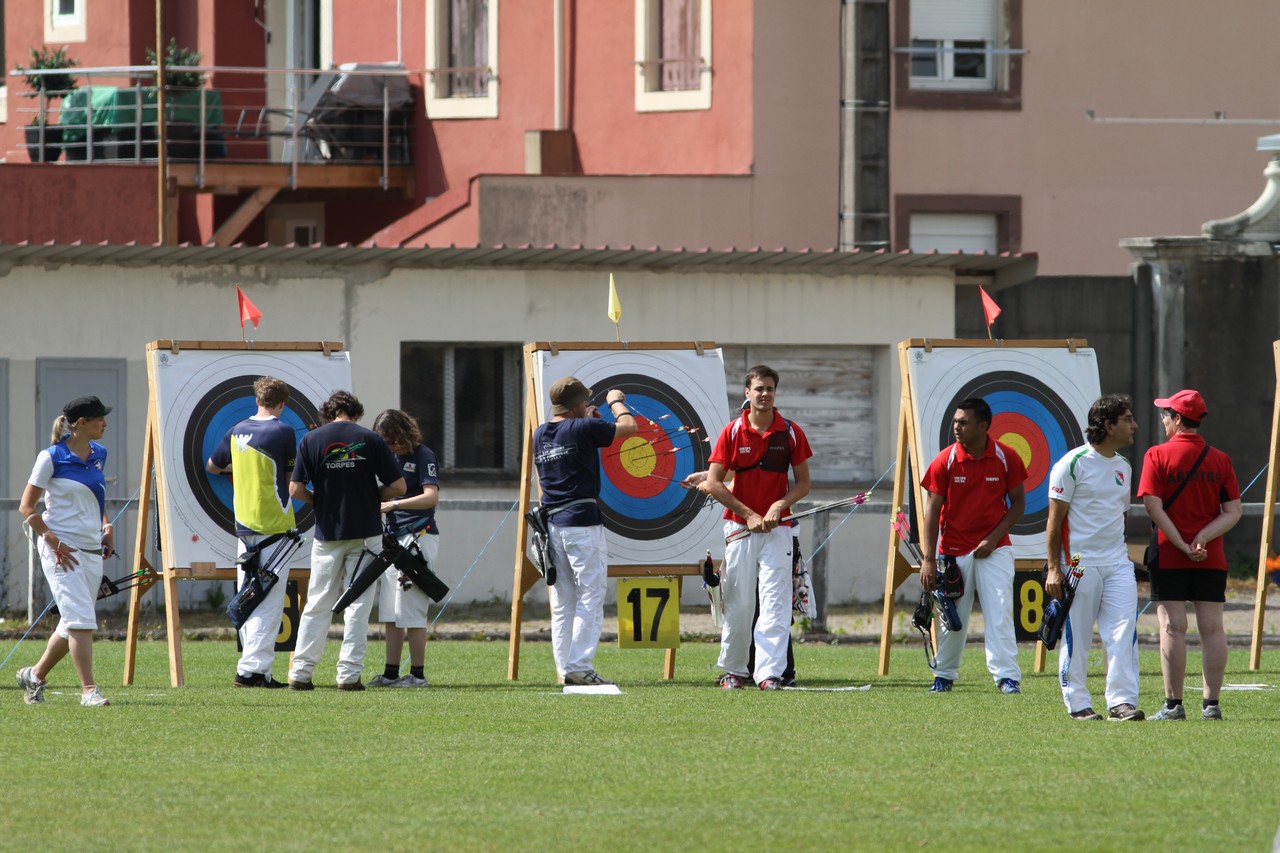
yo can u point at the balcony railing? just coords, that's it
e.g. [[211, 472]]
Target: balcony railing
[[353, 114]]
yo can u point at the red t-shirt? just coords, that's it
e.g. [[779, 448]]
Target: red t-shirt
[[1163, 468], [975, 491], [740, 447]]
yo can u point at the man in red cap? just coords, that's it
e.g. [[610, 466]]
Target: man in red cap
[[1189, 489]]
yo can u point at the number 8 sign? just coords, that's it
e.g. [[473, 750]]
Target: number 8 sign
[[1028, 603], [648, 613]]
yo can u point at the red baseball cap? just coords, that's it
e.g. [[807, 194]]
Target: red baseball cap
[[1187, 403]]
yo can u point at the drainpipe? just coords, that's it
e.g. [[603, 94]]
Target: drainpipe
[[864, 125], [557, 16]]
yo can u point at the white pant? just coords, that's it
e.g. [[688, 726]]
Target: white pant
[[992, 580], [259, 632], [75, 593], [332, 564], [581, 558], [1109, 596], [759, 564], [407, 608]]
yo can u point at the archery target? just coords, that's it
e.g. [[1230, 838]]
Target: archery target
[[680, 402], [1039, 400], [199, 396]]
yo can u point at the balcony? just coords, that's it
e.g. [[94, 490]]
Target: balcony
[[341, 133]]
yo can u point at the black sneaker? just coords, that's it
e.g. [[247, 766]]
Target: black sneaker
[[1125, 713], [301, 685], [350, 685], [1085, 714], [257, 679]]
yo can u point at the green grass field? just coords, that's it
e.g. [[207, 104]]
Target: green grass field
[[477, 763]]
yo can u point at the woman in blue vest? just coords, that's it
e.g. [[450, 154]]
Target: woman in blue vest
[[74, 536]]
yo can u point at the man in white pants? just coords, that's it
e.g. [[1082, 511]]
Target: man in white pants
[[760, 447], [566, 452], [973, 496], [351, 471], [259, 453], [1088, 497]]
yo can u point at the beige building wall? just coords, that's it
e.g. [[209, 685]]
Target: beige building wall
[[1086, 184]]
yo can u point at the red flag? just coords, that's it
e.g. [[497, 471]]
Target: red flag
[[989, 307], [249, 312]]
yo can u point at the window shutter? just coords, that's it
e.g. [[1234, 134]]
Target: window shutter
[[954, 19], [680, 41], [953, 232], [469, 46]]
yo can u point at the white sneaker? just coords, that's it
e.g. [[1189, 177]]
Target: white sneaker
[[577, 679], [381, 680], [410, 680], [33, 687], [93, 699]]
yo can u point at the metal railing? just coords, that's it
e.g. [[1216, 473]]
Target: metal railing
[[354, 114]]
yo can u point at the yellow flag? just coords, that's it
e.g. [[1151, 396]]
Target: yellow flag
[[615, 307]]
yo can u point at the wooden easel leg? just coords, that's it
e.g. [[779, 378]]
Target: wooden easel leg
[[1268, 524], [520, 583], [669, 666], [131, 633], [900, 486], [513, 649], [173, 623], [1041, 654]]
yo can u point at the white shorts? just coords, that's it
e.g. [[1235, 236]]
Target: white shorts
[[75, 592], [407, 608]]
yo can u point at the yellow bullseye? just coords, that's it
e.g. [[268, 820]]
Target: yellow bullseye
[[637, 457], [1018, 443]]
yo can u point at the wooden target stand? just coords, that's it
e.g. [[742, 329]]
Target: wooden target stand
[[155, 476], [910, 451], [525, 573], [1268, 523]]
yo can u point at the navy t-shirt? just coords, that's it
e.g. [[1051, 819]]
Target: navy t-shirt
[[567, 455], [345, 463], [419, 469]]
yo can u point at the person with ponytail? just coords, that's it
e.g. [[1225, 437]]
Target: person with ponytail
[[73, 537]]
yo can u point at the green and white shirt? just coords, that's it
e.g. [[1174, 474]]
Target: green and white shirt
[[1097, 488]]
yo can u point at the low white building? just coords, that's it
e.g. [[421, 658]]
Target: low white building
[[439, 332]]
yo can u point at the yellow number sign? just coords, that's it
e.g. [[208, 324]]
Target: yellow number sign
[[648, 613], [1028, 604]]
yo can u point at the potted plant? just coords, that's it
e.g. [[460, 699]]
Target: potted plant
[[44, 140], [183, 99]]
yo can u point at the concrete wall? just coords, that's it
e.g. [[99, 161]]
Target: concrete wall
[[118, 309]]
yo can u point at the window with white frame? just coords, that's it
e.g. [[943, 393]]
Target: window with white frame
[[673, 55], [64, 20], [952, 43], [466, 398], [462, 59], [954, 232]]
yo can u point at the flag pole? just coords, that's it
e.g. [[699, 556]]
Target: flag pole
[[615, 310]]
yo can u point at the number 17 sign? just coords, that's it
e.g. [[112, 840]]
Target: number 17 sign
[[648, 613]]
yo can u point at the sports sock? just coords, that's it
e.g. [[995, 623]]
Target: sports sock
[[1208, 702], [1171, 703], [391, 670], [416, 671]]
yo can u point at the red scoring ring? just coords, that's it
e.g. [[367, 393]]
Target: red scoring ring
[[661, 464], [1006, 423]]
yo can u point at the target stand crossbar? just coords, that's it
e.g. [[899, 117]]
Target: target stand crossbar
[[927, 404], [633, 563], [187, 409]]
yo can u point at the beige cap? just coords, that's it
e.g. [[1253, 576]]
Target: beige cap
[[567, 393]]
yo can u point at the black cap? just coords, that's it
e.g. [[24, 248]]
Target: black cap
[[84, 407]]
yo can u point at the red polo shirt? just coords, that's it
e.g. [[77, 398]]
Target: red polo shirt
[[740, 447], [975, 491], [1163, 468]]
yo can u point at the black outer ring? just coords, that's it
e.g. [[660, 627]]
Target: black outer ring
[[206, 409], [685, 511], [1032, 523]]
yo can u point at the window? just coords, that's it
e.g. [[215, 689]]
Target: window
[[953, 232], [951, 223], [64, 20], [958, 54], [462, 58], [673, 55], [466, 399]]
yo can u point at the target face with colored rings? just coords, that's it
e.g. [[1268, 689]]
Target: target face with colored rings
[[680, 403], [1039, 399], [200, 394]]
